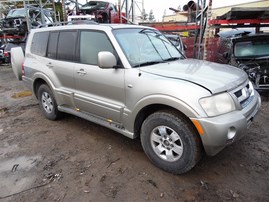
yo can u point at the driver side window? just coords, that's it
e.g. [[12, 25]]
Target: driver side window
[[91, 43]]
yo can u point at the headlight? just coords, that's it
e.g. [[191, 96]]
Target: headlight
[[217, 104]]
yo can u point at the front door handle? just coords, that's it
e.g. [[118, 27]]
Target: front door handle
[[49, 65], [81, 72]]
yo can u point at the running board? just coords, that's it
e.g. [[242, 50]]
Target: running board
[[108, 124]]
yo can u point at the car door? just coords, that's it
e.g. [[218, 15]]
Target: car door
[[60, 63], [99, 92]]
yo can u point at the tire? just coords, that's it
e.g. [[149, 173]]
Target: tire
[[48, 103], [170, 142], [17, 59]]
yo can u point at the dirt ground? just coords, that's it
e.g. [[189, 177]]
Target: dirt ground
[[76, 160]]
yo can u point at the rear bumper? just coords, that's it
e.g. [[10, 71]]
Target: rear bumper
[[223, 130]]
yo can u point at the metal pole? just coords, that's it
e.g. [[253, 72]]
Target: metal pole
[[207, 31], [27, 16], [143, 8], [54, 10], [42, 13], [119, 3], [202, 21], [133, 10], [64, 11], [127, 9]]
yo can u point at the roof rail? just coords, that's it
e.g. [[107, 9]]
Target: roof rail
[[75, 22]]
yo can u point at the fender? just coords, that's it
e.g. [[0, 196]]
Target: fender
[[129, 116]]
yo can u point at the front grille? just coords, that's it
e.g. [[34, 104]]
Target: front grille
[[245, 94]]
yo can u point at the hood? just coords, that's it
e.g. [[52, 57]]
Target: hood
[[212, 76]]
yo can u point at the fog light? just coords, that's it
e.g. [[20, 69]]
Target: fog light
[[231, 133]]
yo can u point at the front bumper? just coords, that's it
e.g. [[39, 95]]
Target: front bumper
[[223, 130]]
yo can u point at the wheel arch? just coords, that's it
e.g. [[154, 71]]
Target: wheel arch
[[37, 83], [171, 104], [40, 79]]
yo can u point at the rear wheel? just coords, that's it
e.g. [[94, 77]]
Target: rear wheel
[[170, 142], [48, 103]]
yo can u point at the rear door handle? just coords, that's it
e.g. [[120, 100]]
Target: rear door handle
[[81, 72]]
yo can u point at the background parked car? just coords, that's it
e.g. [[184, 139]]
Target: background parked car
[[102, 11], [15, 21], [2, 57], [249, 52]]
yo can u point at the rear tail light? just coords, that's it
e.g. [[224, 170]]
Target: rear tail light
[[22, 68], [6, 54]]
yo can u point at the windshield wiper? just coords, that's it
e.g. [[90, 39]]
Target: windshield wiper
[[147, 63], [172, 59]]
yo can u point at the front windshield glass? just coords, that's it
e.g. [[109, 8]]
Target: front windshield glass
[[16, 13], [252, 48], [95, 4], [146, 46]]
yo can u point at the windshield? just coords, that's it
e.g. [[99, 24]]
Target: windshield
[[16, 13], [98, 4], [146, 46], [22, 13], [252, 48]]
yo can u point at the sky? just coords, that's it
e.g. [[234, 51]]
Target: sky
[[158, 6]]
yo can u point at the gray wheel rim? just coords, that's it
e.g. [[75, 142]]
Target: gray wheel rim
[[166, 143], [47, 102]]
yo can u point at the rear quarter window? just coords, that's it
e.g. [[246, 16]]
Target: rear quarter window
[[39, 43]]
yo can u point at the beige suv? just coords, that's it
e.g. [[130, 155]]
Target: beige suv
[[133, 80]]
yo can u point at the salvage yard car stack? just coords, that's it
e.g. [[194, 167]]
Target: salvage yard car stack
[[133, 80], [249, 52]]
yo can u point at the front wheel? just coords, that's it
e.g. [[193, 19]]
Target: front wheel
[[170, 142], [48, 103]]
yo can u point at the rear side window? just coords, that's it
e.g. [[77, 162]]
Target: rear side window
[[67, 45], [39, 43], [52, 46], [91, 43]]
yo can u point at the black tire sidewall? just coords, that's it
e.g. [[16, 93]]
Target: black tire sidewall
[[187, 136], [55, 113]]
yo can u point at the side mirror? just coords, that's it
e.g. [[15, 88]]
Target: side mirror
[[106, 60]]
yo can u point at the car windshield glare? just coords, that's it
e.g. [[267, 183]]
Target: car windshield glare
[[252, 48], [95, 3], [17, 13], [146, 46]]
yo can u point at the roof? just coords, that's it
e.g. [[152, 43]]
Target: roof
[[246, 13], [251, 36], [91, 26]]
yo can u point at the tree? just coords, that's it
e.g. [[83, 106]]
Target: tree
[[151, 16], [164, 14], [144, 15]]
